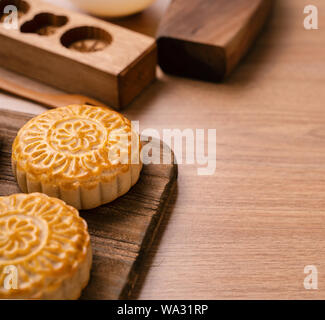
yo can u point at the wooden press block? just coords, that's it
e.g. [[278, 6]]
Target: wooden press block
[[77, 53], [206, 39]]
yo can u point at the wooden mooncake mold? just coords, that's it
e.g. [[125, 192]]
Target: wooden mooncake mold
[[77, 53]]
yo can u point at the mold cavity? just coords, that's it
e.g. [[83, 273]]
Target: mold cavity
[[22, 7], [86, 39], [44, 24]]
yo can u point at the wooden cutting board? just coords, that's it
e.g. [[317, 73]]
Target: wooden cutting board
[[122, 231]]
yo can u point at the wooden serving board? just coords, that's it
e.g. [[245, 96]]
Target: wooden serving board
[[122, 231]]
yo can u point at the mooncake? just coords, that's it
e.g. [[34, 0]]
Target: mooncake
[[45, 250], [84, 155]]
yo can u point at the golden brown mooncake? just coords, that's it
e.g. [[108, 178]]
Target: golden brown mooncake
[[47, 243], [84, 155]]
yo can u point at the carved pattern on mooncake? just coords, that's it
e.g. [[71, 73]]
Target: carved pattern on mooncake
[[77, 136], [74, 142], [20, 236]]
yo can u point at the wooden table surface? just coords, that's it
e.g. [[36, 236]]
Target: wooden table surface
[[249, 230]]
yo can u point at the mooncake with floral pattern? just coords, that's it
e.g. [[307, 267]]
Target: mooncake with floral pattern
[[84, 155], [45, 250]]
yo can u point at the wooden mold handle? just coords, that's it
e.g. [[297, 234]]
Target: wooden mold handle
[[47, 99]]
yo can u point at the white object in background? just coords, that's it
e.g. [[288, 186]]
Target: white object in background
[[112, 8]]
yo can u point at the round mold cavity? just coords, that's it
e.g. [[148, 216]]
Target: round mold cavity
[[22, 8], [86, 39], [44, 24]]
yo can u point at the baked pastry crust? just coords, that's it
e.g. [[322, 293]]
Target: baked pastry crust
[[84, 155], [48, 243]]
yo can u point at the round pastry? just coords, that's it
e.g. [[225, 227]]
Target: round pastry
[[84, 155], [45, 250]]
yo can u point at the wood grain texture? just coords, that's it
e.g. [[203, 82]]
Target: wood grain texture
[[66, 56], [121, 232], [206, 39], [249, 230]]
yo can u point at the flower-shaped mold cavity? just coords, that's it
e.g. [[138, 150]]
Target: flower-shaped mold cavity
[[86, 39], [44, 24], [22, 7]]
